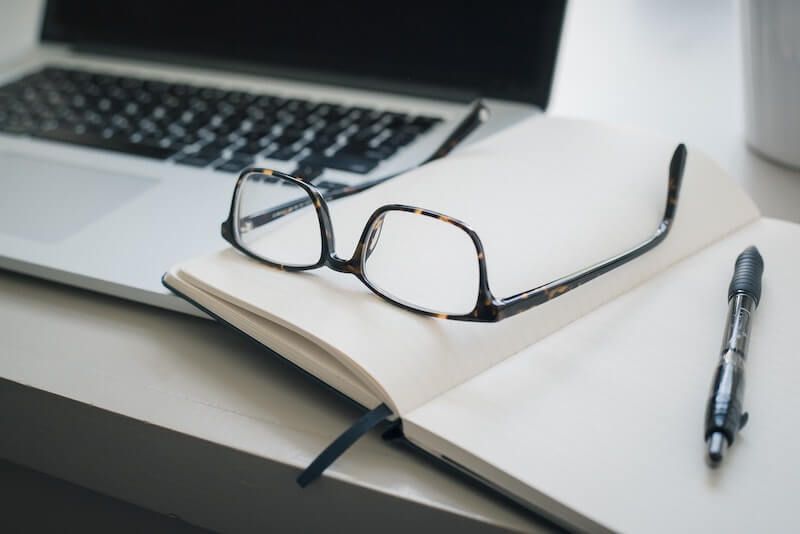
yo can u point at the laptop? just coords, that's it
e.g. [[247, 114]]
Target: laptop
[[123, 131]]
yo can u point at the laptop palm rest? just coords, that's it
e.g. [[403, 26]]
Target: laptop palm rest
[[48, 200]]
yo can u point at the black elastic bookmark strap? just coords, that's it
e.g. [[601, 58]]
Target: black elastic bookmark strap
[[342, 443], [394, 432]]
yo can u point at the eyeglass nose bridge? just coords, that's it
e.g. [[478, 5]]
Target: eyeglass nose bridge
[[343, 266]]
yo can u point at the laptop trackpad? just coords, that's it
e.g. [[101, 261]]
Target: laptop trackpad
[[48, 200]]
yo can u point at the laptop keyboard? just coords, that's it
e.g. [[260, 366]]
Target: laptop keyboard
[[202, 126]]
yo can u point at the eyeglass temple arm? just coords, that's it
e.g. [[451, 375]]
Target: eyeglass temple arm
[[524, 301], [477, 115]]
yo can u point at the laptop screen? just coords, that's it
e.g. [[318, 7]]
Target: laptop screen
[[503, 50]]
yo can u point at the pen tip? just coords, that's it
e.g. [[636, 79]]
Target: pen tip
[[716, 448]]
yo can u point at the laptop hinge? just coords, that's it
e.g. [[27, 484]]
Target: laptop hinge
[[405, 88]]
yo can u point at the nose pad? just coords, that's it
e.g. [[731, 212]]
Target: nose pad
[[375, 235]]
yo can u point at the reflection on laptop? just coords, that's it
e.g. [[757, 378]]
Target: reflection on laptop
[[129, 123]]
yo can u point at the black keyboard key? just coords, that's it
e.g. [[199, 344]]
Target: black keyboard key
[[301, 113], [287, 139], [342, 162], [102, 79], [196, 105], [199, 159], [393, 120], [322, 109], [189, 138], [424, 123], [352, 146], [218, 144], [400, 139], [235, 137], [121, 123], [338, 113], [293, 104], [379, 153], [321, 142], [167, 142], [226, 128], [48, 124], [117, 144], [292, 131], [256, 113], [130, 83], [365, 135], [235, 164], [156, 86], [330, 186], [240, 98], [250, 149], [307, 172], [54, 73], [211, 93], [332, 129], [255, 135], [357, 112], [118, 93], [268, 101], [284, 154]]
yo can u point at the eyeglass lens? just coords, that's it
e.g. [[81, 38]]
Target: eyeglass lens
[[423, 261], [260, 210]]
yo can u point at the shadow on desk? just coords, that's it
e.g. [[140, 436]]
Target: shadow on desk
[[179, 415], [34, 502]]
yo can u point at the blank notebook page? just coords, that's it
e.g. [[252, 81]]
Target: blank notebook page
[[606, 415]]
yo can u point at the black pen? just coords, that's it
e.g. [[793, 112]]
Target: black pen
[[724, 415]]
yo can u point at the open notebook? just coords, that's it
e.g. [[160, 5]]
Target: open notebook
[[589, 408]]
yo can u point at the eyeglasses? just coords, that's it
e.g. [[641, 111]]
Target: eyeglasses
[[415, 258]]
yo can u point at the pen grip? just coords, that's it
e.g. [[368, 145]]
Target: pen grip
[[747, 274], [724, 409]]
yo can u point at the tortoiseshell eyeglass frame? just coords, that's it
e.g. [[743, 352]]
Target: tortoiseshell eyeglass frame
[[487, 308]]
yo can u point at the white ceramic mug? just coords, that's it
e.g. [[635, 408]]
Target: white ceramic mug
[[771, 41]]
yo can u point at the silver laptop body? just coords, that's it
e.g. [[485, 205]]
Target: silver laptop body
[[86, 214]]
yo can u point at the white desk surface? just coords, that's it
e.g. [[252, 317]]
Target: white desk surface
[[178, 415], [671, 67]]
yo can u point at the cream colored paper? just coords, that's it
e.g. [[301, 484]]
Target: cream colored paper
[[547, 197], [288, 343], [601, 423]]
